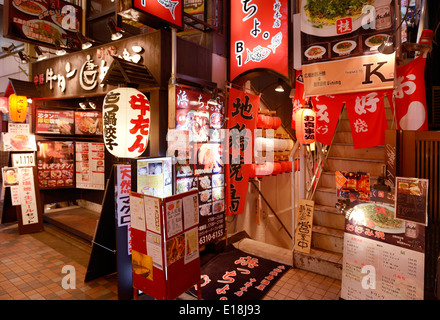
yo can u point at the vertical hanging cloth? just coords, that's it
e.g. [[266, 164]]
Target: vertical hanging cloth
[[410, 96], [366, 113], [328, 109]]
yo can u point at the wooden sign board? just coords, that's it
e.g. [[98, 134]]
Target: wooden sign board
[[303, 232]]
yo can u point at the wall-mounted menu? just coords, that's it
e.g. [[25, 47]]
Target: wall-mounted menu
[[54, 122], [55, 164], [412, 199], [90, 165]]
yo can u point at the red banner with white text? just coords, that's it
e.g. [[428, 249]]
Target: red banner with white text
[[410, 97], [242, 115]]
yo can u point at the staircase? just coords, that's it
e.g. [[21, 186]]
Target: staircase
[[328, 224]]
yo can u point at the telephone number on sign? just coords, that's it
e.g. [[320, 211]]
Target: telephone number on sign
[[211, 237]]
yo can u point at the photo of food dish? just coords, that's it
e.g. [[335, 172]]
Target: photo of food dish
[[344, 47], [142, 264], [204, 182], [218, 206], [45, 30], [205, 196], [320, 17], [32, 8], [218, 193], [218, 180], [315, 52], [373, 42], [378, 217], [175, 248], [205, 210], [216, 120]]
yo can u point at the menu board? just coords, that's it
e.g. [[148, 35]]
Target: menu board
[[55, 164], [90, 165], [88, 122], [383, 256], [154, 177], [54, 122], [200, 159], [339, 44], [412, 199]]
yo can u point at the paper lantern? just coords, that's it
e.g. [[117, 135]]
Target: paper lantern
[[4, 104], [17, 108], [305, 125], [261, 120], [265, 169], [126, 119], [276, 122], [276, 168]]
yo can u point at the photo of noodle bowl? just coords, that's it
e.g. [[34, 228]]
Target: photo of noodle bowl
[[344, 47], [378, 217], [315, 52], [320, 16]]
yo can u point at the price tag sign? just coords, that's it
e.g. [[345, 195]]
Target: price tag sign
[[23, 159]]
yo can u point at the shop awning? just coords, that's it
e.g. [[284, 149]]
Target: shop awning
[[21, 88], [126, 72]]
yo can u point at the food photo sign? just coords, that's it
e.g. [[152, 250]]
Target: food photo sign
[[383, 256], [43, 22], [339, 46]]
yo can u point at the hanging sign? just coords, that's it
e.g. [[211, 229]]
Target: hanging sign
[[4, 104], [43, 22], [339, 46], [154, 13], [259, 36], [126, 120], [410, 110], [243, 112]]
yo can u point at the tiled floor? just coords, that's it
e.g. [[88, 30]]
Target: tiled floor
[[31, 269]]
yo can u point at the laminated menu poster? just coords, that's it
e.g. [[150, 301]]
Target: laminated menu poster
[[54, 122], [55, 164], [88, 122], [90, 165], [383, 256]]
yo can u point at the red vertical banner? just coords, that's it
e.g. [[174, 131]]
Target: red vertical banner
[[242, 115], [366, 112], [259, 36], [328, 109], [410, 110]]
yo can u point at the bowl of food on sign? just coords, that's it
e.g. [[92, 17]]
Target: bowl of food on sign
[[375, 41], [344, 47], [315, 52], [376, 216]]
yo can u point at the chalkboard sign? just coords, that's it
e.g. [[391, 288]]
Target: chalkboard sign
[[412, 200]]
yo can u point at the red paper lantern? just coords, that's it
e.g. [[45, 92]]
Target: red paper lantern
[[260, 120], [269, 122], [305, 125], [276, 122], [17, 108], [252, 168], [276, 168]]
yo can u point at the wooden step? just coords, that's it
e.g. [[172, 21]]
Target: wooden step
[[329, 239], [328, 216], [322, 262], [346, 150], [373, 167], [325, 196]]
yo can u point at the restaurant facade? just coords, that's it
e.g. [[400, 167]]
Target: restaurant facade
[[290, 124]]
